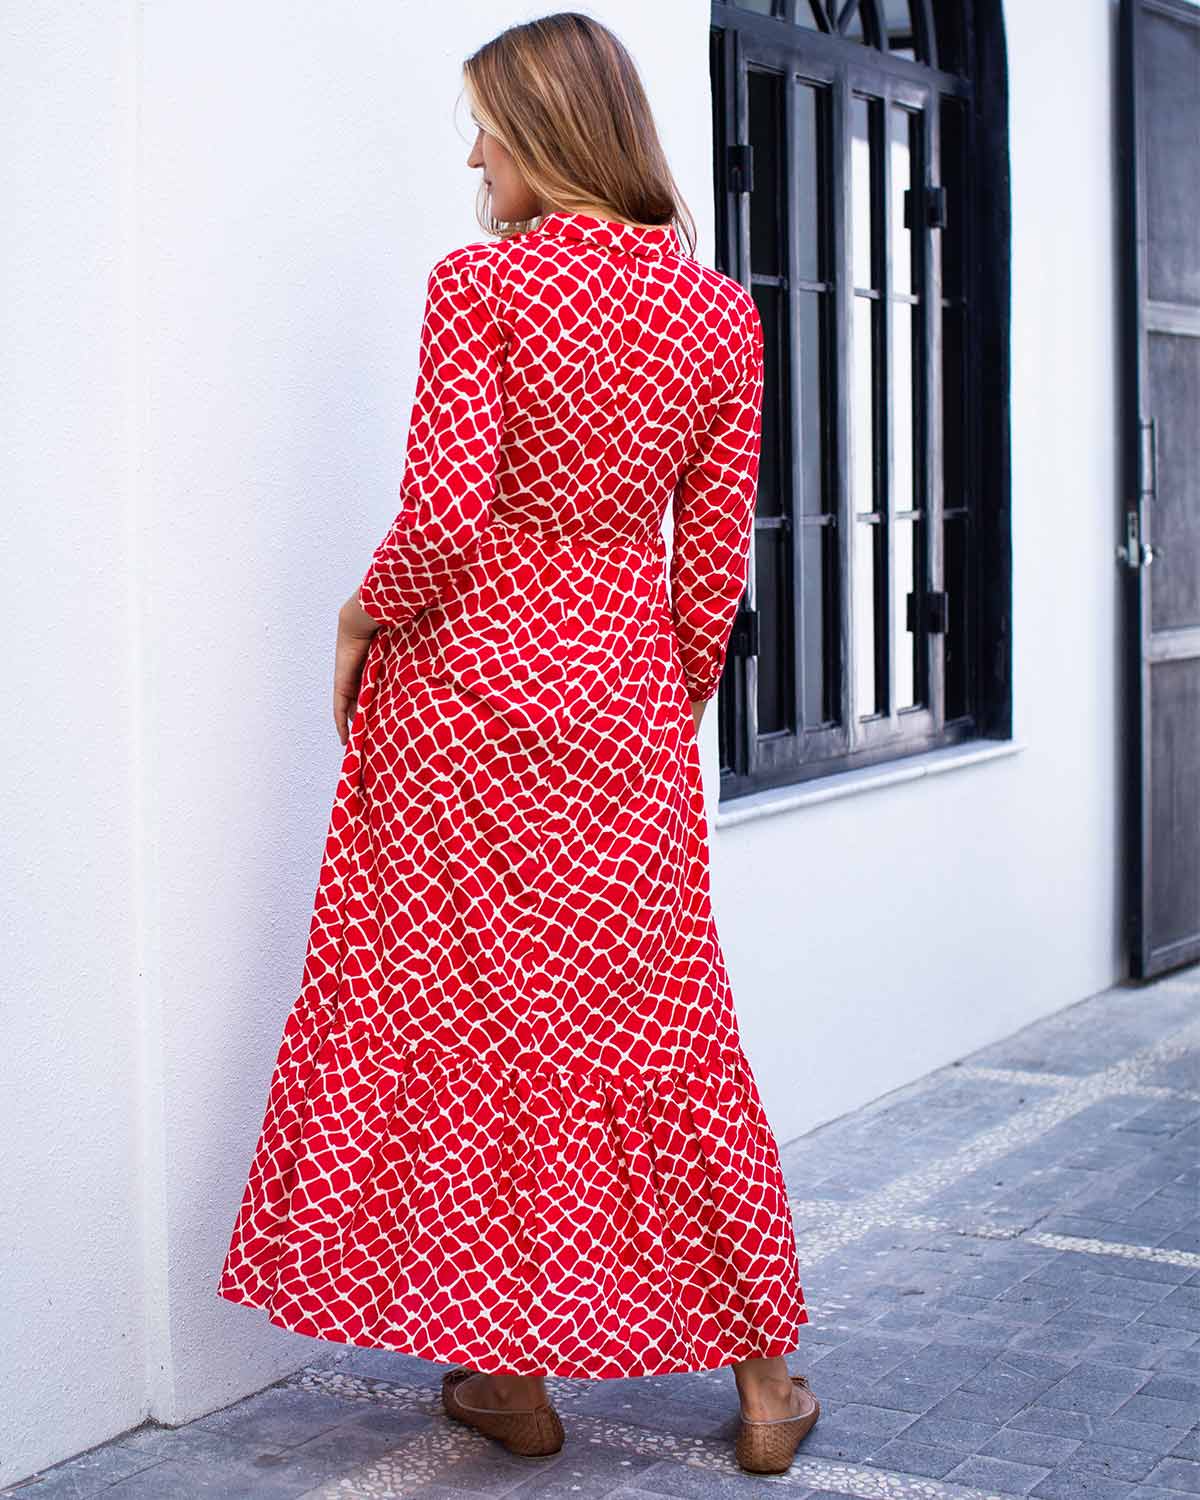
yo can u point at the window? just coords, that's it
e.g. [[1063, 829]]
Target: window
[[875, 622]]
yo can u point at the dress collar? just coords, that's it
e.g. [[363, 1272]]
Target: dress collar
[[634, 239]]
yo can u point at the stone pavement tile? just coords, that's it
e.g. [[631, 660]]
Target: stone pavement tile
[[991, 1282], [1185, 1358], [1163, 1212], [1091, 1034], [980, 1310], [281, 1416], [155, 1443], [849, 1491], [965, 1343], [1158, 1344], [1176, 1474], [1159, 1413], [996, 1474], [1185, 1238], [942, 1367], [876, 1422], [919, 1324], [1017, 1372], [1055, 1420], [1188, 1446], [1111, 1461], [688, 1405], [82, 1476], [1164, 1117], [901, 1393], [848, 1445], [950, 1432], [860, 1361], [267, 1476], [1152, 1492], [1066, 1484], [1170, 1313], [1174, 1388], [1124, 1291], [833, 1387], [984, 1408], [1067, 1344], [434, 1490], [1144, 1437], [1176, 1073], [389, 1364], [1044, 1449], [1084, 1228], [1080, 1267], [486, 1468], [362, 1439], [1076, 1319], [901, 1456], [586, 1473], [1096, 1388], [1034, 1306], [694, 1482], [619, 1400]]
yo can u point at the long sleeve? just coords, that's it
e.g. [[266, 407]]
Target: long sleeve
[[452, 450], [713, 518]]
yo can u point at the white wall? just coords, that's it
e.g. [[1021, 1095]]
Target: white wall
[[207, 389], [73, 1301], [873, 938]]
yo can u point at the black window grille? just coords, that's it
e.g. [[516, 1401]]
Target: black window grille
[[862, 195]]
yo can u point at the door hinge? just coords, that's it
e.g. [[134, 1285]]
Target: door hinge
[[934, 199], [739, 168], [743, 637], [1148, 460], [937, 611]]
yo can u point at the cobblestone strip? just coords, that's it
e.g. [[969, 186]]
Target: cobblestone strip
[[1189, 1259], [827, 1226], [417, 1462], [1066, 1080]]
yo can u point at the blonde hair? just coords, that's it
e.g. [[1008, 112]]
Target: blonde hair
[[563, 97]]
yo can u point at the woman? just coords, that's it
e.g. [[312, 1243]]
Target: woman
[[511, 1126]]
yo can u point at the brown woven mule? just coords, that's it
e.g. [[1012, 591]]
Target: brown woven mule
[[769, 1447], [534, 1433]]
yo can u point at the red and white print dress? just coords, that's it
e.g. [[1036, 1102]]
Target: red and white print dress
[[511, 1124]]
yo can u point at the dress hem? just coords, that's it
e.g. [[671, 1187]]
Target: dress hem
[[449, 1355]]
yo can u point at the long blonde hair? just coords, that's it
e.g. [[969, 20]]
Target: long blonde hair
[[563, 97]]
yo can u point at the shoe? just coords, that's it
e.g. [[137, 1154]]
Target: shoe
[[769, 1447], [535, 1433]]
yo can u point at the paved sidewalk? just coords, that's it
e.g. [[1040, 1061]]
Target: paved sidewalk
[[1002, 1269]]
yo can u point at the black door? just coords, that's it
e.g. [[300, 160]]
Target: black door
[[1160, 549]]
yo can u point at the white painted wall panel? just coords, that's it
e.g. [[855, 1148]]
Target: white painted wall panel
[[215, 271]]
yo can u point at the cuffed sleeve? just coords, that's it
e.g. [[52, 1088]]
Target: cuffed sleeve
[[452, 450], [713, 518]]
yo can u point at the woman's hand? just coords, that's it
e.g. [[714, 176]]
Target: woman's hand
[[355, 629]]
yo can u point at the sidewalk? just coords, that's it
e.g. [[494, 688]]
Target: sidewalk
[[1002, 1269]]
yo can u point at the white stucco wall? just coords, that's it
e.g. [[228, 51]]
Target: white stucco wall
[[876, 937], [73, 1297], [207, 389]]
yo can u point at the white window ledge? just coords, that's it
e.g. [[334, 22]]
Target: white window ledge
[[863, 779]]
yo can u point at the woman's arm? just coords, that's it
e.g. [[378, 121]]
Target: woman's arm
[[453, 448], [713, 521]]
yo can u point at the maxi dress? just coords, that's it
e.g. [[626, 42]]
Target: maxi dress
[[511, 1124]]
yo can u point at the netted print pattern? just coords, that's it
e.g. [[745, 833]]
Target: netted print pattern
[[511, 1124]]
